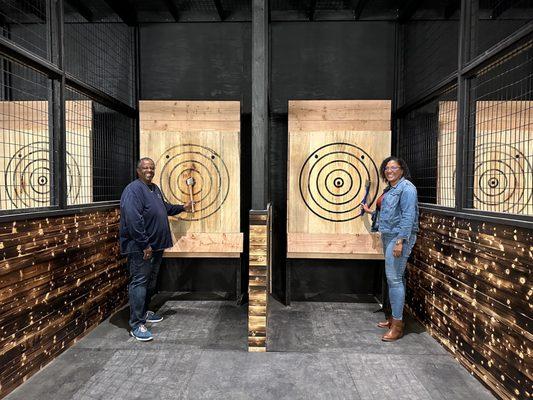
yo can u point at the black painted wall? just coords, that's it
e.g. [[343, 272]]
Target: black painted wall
[[321, 61], [202, 61], [196, 61]]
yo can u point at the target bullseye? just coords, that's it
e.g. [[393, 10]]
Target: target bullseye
[[331, 181], [503, 178], [208, 171], [27, 176]]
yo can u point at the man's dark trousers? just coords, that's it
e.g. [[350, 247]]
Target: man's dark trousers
[[143, 281]]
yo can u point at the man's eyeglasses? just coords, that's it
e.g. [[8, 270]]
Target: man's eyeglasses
[[392, 169]]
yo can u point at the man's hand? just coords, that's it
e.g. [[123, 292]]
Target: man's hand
[[188, 206], [397, 250], [365, 208], [147, 253]]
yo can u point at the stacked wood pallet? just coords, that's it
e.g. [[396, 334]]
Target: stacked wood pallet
[[258, 280]]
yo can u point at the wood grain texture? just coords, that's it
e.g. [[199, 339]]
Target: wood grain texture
[[470, 284], [206, 243], [59, 278], [335, 149], [197, 141], [258, 287]]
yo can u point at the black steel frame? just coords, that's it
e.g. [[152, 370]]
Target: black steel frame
[[54, 70], [465, 69]]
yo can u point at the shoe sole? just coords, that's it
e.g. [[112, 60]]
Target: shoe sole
[[391, 340], [154, 321], [140, 339]]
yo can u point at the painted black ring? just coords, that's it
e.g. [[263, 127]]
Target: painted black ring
[[225, 170], [526, 169], [186, 194], [43, 183], [301, 186], [511, 194], [199, 182], [19, 159], [502, 188], [206, 193], [326, 180], [351, 184], [313, 197]]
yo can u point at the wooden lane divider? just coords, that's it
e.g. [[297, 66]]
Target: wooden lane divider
[[259, 281]]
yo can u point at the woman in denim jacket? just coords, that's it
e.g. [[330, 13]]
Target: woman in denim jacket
[[397, 221]]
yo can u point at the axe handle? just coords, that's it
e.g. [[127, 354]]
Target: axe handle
[[190, 197], [365, 199]]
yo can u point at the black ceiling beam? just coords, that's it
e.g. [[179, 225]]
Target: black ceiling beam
[[173, 10], [451, 8], [407, 11], [358, 6], [311, 10], [125, 10], [220, 10], [82, 9], [500, 8]]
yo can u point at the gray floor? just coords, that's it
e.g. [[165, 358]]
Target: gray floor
[[317, 351]]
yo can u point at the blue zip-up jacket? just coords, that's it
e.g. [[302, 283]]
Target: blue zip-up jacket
[[399, 210], [144, 218]]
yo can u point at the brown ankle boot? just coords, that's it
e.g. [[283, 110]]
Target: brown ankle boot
[[385, 324], [395, 332]]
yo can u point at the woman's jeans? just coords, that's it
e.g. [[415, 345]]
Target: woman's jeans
[[395, 271], [143, 281]]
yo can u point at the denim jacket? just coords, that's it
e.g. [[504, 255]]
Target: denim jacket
[[399, 210]]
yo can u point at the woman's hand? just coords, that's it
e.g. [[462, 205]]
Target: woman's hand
[[365, 208], [397, 250]]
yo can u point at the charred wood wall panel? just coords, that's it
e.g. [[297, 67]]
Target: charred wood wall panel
[[59, 277], [469, 282]]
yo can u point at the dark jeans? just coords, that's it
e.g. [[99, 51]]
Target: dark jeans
[[143, 280]]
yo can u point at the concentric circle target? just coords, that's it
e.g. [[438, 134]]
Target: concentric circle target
[[28, 176], [207, 170], [503, 178], [332, 181]]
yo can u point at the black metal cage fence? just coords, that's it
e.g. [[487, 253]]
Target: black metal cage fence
[[499, 152], [26, 154], [428, 145], [465, 125], [67, 89], [99, 150]]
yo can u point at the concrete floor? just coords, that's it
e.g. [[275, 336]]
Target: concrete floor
[[318, 350]]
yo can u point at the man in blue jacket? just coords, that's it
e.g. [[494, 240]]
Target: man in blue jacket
[[144, 234]]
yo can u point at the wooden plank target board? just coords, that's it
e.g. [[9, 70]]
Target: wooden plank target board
[[26, 162], [503, 161], [199, 140], [335, 149]]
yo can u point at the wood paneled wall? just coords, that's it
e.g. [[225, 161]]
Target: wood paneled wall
[[469, 282], [59, 277]]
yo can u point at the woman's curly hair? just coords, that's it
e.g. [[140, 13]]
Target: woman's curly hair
[[403, 165]]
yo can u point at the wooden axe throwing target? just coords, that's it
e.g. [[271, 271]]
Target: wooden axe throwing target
[[335, 149], [196, 149]]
